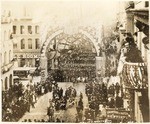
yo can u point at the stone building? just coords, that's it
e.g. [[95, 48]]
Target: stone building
[[134, 59], [26, 47], [6, 52]]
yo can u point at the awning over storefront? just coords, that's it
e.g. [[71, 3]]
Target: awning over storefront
[[135, 75], [31, 69], [15, 77]]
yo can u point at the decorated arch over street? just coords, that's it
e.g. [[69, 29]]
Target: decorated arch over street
[[88, 33]]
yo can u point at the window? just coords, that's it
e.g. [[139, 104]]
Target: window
[[6, 85], [29, 62], [9, 55], [9, 34], [5, 58], [10, 80], [21, 29], [22, 44], [22, 62], [37, 44], [147, 4], [37, 62], [14, 29], [36, 29], [15, 46], [30, 29], [5, 35], [29, 43]]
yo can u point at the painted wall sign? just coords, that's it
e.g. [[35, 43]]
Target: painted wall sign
[[26, 55]]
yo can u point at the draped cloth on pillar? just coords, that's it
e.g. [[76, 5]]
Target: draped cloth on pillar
[[135, 75], [100, 66], [43, 63]]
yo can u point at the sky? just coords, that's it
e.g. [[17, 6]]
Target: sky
[[73, 13]]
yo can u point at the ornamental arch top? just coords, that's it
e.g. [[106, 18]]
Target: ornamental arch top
[[55, 32], [51, 34]]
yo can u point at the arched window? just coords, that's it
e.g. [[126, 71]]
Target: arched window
[[5, 35], [9, 34], [37, 29], [9, 55], [5, 58], [10, 80], [30, 29], [14, 29], [6, 85], [22, 44], [29, 43], [37, 44], [15, 46], [21, 29]]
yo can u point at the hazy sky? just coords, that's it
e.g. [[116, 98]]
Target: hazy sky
[[72, 11], [71, 14]]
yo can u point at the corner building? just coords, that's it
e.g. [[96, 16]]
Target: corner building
[[6, 53], [26, 45]]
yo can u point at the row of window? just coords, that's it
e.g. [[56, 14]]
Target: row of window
[[29, 29], [30, 45]]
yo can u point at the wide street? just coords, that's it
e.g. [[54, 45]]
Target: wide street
[[40, 110]]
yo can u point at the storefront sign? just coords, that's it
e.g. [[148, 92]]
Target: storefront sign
[[26, 55]]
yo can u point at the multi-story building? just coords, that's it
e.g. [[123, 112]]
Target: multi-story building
[[135, 78], [6, 52], [26, 45]]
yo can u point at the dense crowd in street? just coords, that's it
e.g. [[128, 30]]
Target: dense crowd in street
[[101, 97], [19, 99]]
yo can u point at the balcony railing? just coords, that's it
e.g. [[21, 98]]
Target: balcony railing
[[135, 75]]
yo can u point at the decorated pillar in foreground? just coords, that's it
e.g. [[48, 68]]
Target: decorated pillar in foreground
[[148, 68]]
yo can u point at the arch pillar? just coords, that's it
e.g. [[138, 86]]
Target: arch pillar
[[43, 59], [43, 63], [100, 67]]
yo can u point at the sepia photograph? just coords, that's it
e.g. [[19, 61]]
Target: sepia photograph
[[75, 61]]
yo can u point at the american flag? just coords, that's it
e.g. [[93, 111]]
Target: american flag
[[135, 75]]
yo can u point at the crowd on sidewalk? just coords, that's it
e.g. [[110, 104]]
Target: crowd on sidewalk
[[101, 98], [19, 99]]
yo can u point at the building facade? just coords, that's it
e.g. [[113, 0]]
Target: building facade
[[6, 53], [26, 45], [134, 63]]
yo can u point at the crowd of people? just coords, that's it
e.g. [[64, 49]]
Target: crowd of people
[[18, 99], [100, 97], [60, 100], [12, 102]]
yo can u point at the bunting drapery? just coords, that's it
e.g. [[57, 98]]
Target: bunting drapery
[[135, 75]]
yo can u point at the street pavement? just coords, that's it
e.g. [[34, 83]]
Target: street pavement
[[40, 110]]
